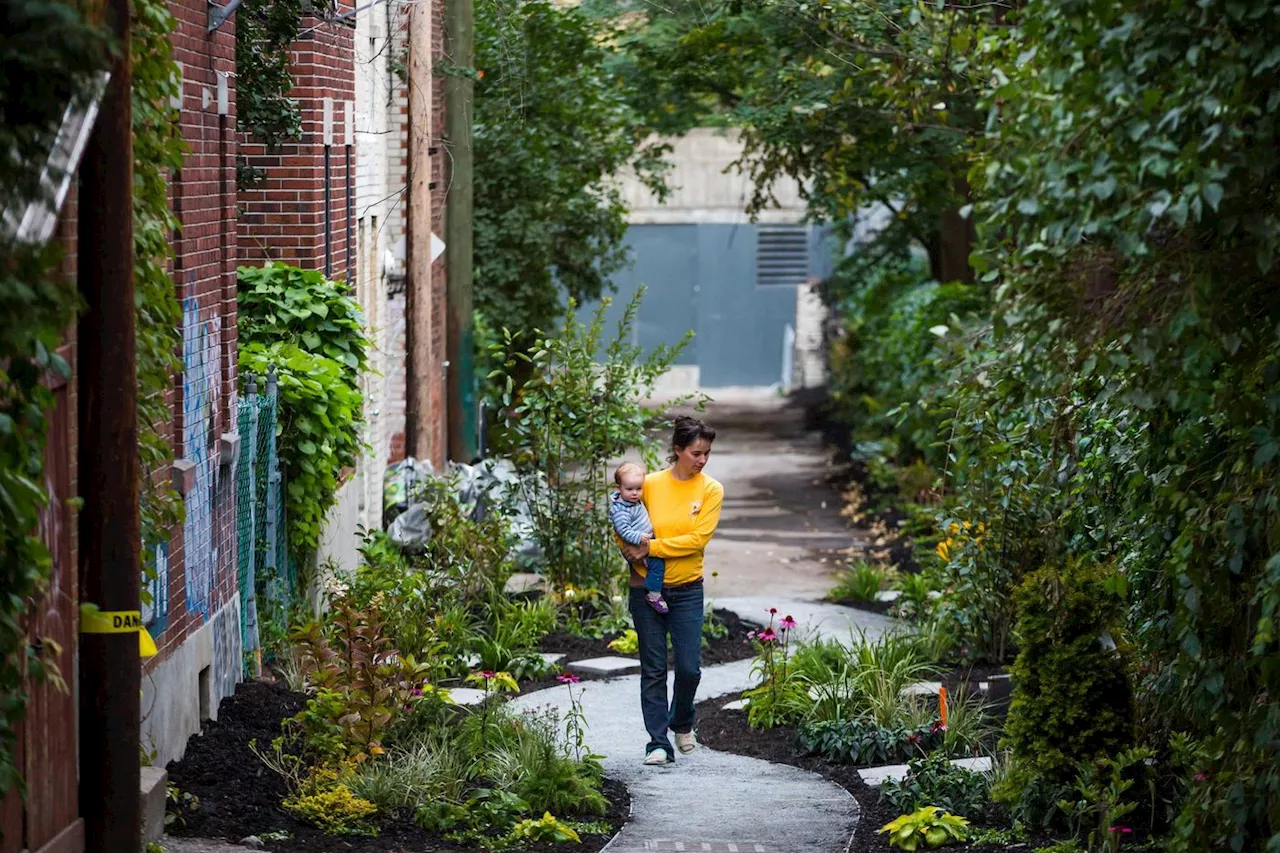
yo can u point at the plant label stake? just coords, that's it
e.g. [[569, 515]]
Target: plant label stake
[[942, 704]]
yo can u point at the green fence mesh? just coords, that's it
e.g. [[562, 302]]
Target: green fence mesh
[[267, 580]]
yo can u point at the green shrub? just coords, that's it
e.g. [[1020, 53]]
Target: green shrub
[[585, 402], [549, 829], [859, 582], [865, 743], [1071, 700], [335, 810], [311, 331], [932, 780], [926, 829]]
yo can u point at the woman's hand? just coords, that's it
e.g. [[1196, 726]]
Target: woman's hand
[[635, 553]]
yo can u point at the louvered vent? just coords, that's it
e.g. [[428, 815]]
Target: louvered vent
[[782, 255]]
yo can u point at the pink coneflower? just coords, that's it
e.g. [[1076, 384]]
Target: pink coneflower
[[786, 623], [568, 678], [767, 636], [1200, 777], [1124, 830], [772, 611], [488, 673]]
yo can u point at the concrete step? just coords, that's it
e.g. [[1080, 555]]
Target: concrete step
[[874, 776]]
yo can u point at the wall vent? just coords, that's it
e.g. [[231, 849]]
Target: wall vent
[[782, 255]]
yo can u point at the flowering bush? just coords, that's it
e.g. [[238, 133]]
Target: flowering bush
[[782, 696]]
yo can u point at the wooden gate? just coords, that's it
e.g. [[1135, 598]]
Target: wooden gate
[[49, 820]]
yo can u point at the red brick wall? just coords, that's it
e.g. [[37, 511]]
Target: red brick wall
[[201, 554], [284, 218]]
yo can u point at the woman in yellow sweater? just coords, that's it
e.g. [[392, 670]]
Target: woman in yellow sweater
[[684, 505]]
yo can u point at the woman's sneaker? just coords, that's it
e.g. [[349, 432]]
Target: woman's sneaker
[[657, 602], [685, 742], [657, 757]]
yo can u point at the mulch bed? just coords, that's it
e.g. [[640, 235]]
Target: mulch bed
[[732, 647], [728, 731], [240, 797]]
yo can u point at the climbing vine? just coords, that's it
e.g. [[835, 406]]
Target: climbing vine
[[311, 331], [51, 66], [157, 150], [264, 31]]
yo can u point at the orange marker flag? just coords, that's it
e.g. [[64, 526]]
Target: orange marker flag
[[942, 703]]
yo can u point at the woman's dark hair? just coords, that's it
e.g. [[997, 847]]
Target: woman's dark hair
[[687, 431]]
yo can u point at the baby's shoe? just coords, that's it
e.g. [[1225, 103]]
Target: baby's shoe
[[657, 602]]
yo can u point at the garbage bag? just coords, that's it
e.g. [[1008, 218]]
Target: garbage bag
[[411, 529], [399, 485]]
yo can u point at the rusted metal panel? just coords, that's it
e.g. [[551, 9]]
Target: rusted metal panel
[[50, 729]]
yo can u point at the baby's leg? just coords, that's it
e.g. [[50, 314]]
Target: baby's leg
[[655, 571]]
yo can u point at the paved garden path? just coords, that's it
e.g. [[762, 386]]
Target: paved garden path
[[709, 800], [780, 522]]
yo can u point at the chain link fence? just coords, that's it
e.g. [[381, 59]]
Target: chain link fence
[[266, 577]]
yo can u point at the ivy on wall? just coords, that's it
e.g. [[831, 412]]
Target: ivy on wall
[[157, 152], [312, 331], [265, 29], [49, 67]]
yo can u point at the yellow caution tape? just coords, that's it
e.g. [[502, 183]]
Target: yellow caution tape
[[95, 621]]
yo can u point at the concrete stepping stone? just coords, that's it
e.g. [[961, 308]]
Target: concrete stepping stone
[[552, 658], [526, 584], [888, 596], [874, 776], [468, 696], [922, 688], [736, 705], [605, 666]]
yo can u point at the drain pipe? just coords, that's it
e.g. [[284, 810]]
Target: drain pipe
[[328, 198], [349, 118]]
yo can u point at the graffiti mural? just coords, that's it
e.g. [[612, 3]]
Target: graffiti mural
[[155, 614], [201, 387]]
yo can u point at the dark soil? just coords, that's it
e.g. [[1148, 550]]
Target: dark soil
[[733, 646], [238, 796], [728, 731]]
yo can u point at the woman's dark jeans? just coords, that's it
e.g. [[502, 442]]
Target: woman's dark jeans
[[684, 623]]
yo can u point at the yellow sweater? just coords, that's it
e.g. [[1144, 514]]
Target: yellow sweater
[[684, 515]]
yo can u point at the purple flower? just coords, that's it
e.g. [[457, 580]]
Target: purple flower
[[568, 678], [786, 622]]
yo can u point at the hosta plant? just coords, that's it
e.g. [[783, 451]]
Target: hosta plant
[[926, 829]]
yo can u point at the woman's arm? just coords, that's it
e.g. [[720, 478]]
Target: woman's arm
[[703, 527]]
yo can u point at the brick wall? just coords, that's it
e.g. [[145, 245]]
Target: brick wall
[[284, 218], [197, 566]]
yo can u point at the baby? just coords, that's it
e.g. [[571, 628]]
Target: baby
[[631, 521]]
